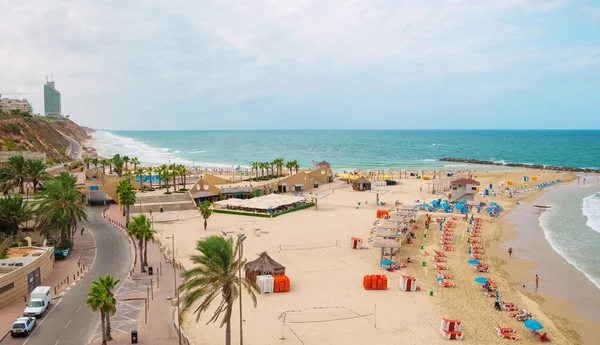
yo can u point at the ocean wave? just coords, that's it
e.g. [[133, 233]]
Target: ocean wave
[[591, 209], [428, 160], [563, 246], [198, 151]]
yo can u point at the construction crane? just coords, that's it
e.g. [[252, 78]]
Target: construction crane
[[16, 93]]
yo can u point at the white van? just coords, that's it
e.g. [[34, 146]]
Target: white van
[[39, 302]]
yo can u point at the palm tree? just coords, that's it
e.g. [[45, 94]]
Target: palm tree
[[104, 162], [95, 161], [87, 161], [205, 211], [13, 212], [16, 173], [126, 160], [135, 161], [36, 172], [101, 298], [279, 163], [173, 172], [254, 166], [126, 196], [140, 229], [167, 176], [159, 170], [149, 170], [272, 165], [140, 173], [296, 165], [263, 166], [118, 162], [289, 165], [61, 205], [216, 274]]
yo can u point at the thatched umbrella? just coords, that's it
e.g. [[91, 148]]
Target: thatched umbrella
[[263, 265]]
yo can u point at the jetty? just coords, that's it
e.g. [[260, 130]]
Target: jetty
[[520, 165]]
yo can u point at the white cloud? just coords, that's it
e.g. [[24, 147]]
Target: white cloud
[[117, 62]]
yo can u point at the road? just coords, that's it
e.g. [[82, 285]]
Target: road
[[71, 322], [75, 149]]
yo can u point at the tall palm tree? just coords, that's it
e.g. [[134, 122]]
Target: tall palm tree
[[159, 170], [216, 274], [272, 165], [140, 229], [135, 161], [254, 166], [13, 212], [149, 170], [126, 160], [173, 172], [289, 165], [296, 165], [118, 162], [167, 177], [104, 163], [95, 161], [87, 161], [62, 202], [126, 196], [101, 298], [16, 173], [36, 172], [205, 211], [140, 173], [279, 163]]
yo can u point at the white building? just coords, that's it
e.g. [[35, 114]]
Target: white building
[[464, 188], [8, 104]]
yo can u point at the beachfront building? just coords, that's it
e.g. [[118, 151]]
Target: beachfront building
[[463, 189], [51, 100], [9, 104], [361, 184]]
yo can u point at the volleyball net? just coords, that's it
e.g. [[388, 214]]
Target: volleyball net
[[305, 246]]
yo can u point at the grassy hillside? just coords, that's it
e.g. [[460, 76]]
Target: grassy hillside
[[38, 134]]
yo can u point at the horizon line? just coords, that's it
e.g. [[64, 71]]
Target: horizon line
[[350, 129]]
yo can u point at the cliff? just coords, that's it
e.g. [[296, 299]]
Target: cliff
[[38, 134]]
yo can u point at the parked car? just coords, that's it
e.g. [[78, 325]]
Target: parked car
[[22, 326], [39, 301]]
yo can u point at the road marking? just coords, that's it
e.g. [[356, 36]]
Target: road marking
[[40, 323], [79, 308], [56, 342], [68, 323]]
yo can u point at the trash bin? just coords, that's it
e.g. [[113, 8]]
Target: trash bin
[[430, 292], [424, 264], [134, 337], [150, 270]]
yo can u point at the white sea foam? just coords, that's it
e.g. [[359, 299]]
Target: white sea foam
[[591, 209], [428, 160], [563, 246]]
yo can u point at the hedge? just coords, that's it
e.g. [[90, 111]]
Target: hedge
[[262, 215]]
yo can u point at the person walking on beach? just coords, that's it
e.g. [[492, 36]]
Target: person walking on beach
[[537, 281], [510, 252]]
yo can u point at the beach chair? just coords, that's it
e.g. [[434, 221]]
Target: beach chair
[[544, 338], [446, 275], [477, 256], [505, 330], [510, 336], [509, 307], [441, 267], [438, 259], [447, 284], [439, 253], [491, 294], [452, 335], [448, 247]]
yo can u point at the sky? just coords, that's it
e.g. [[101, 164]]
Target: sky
[[308, 64]]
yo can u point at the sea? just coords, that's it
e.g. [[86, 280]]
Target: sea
[[571, 226]]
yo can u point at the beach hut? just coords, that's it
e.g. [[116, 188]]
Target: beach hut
[[361, 184], [451, 329], [264, 265], [463, 189], [408, 283], [355, 243]]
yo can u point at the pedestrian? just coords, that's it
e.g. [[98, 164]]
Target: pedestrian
[[510, 252], [537, 281], [81, 230]]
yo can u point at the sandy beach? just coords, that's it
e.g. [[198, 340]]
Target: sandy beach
[[327, 303]]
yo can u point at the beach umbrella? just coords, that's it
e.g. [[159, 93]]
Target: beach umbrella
[[533, 325], [481, 280], [473, 262]]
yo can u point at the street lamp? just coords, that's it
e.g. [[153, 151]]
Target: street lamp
[[241, 238], [172, 237]]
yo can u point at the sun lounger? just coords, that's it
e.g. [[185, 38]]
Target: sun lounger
[[475, 240], [447, 284], [477, 256], [510, 336], [439, 253], [491, 294], [446, 275], [441, 267], [448, 248], [438, 259], [477, 251], [452, 335], [505, 330], [509, 307]]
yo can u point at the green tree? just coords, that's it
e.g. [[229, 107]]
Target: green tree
[[135, 161], [279, 164], [140, 174], [290, 165], [118, 162], [87, 161], [216, 273], [16, 173], [95, 161], [205, 211], [35, 171], [61, 205], [140, 229], [296, 165], [101, 298], [126, 160], [150, 170], [173, 172], [14, 211], [126, 196]]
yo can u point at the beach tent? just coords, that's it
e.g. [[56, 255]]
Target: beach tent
[[355, 243], [264, 265], [361, 184], [451, 325], [266, 283], [408, 283]]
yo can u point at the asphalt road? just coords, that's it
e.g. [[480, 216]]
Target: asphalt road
[[75, 150], [71, 322]]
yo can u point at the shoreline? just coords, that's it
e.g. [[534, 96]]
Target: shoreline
[[522, 230]]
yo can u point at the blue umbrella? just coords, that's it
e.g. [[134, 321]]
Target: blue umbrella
[[474, 262], [481, 280], [386, 262], [533, 325]]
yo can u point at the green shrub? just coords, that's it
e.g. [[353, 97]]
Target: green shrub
[[4, 254], [13, 128], [168, 192], [65, 244], [10, 145]]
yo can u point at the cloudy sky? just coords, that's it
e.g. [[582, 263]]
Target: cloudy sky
[[274, 64]]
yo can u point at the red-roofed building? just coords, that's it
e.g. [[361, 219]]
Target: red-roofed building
[[463, 189]]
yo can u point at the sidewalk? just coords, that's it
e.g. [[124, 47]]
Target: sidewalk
[[154, 327], [65, 273]]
